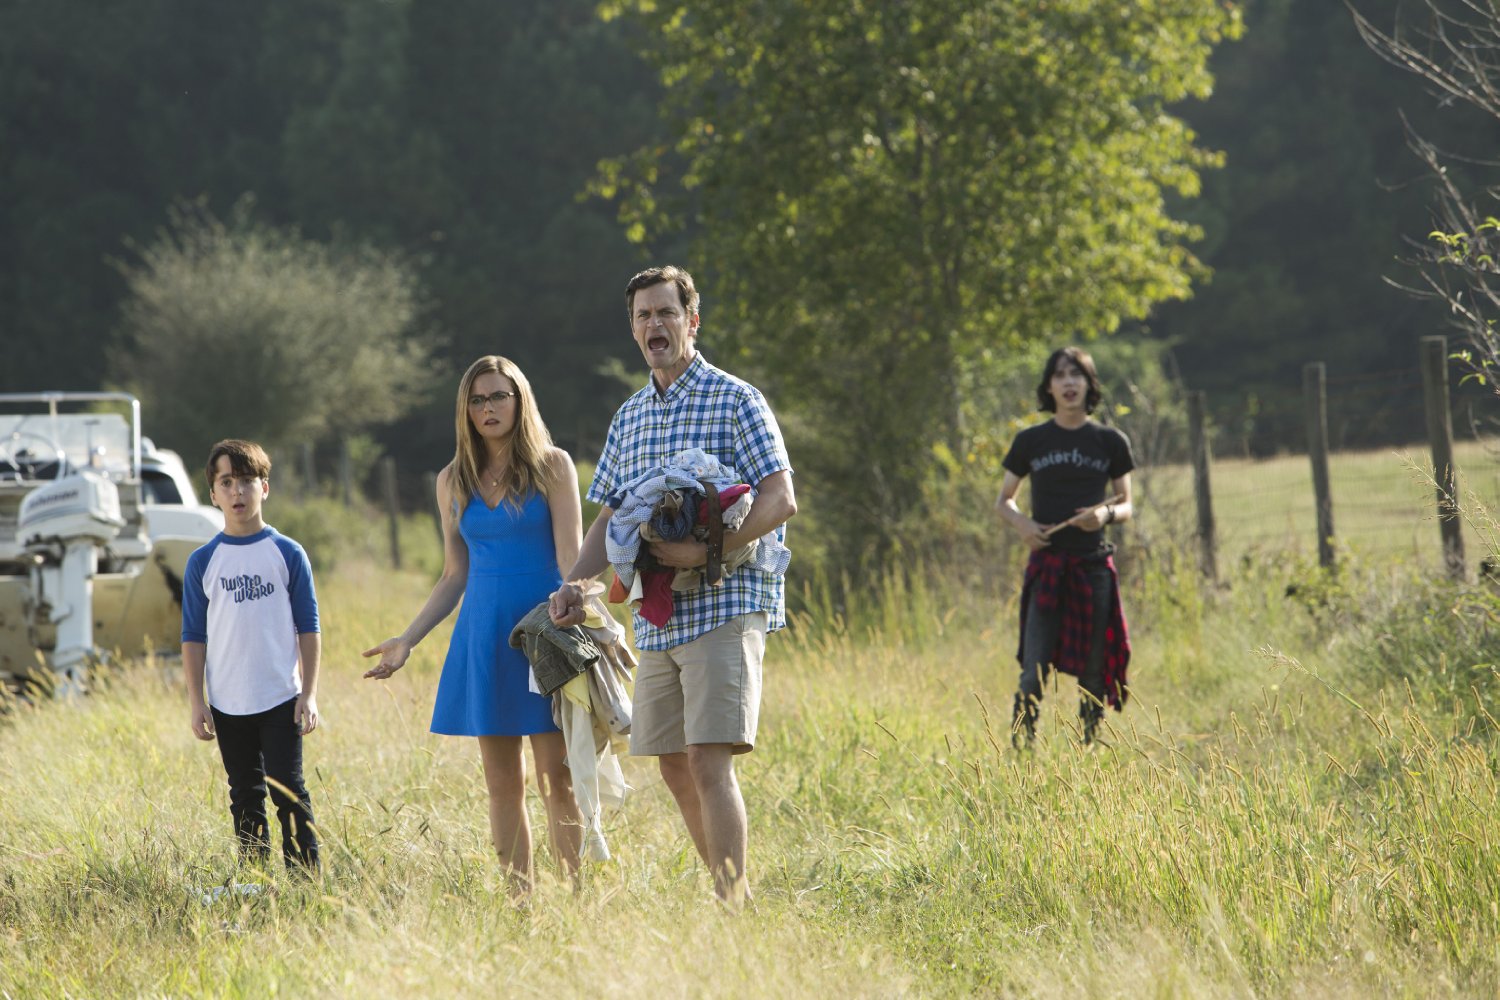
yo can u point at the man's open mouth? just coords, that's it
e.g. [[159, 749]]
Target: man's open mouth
[[657, 343]]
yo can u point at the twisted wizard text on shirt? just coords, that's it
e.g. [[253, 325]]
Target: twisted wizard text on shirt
[[246, 588], [1074, 457]]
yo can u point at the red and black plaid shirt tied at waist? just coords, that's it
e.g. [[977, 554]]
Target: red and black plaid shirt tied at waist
[[1062, 578]]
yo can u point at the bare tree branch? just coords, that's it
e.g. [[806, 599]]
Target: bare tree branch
[[1455, 50]]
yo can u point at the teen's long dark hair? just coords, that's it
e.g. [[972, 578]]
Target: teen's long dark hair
[[1085, 363]]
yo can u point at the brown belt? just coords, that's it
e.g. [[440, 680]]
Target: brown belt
[[715, 569]]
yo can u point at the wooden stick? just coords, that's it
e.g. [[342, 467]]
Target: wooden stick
[[1117, 498]]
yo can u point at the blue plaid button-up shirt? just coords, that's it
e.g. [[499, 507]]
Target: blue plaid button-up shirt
[[728, 418]]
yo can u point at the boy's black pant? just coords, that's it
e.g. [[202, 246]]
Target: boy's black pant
[[256, 747]]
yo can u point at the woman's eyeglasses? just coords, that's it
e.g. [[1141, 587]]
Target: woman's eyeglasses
[[494, 398]]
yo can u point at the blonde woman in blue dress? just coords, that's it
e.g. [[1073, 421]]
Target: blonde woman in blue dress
[[512, 524]]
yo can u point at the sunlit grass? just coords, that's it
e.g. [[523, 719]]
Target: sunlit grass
[[1300, 800]]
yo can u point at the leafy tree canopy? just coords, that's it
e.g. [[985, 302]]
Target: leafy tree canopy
[[458, 133], [245, 330], [884, 195]]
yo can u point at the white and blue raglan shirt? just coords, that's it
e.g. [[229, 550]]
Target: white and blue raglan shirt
[[248, 598]]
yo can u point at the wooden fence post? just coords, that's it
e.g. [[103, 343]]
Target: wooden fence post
[[1440, 438], [393, 507], [429, 485], [1315, 393], [1198, 444]]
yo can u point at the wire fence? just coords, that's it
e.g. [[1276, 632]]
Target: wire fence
[[1384, 499], [1364, 411], [1384, 502]]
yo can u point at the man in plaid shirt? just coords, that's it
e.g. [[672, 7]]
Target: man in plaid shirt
[[697, 691]]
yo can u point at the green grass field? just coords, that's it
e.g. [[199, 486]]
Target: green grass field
[[1300, 800]]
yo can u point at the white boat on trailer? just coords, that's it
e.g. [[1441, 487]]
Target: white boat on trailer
[[96, 526]]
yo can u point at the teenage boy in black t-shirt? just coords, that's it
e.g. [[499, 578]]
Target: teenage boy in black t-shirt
[[1071, 617]]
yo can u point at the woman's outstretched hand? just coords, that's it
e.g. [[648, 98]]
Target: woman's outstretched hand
[[392, 653]]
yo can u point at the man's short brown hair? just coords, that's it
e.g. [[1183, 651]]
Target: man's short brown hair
[[687, 292], [246, 458]]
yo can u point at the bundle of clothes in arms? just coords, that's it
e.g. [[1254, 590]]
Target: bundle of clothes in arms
[[675, 502]]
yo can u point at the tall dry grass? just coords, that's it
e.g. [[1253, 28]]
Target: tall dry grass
[[1300, 800]]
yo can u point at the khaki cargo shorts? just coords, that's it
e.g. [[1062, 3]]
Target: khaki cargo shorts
[[703, 691]]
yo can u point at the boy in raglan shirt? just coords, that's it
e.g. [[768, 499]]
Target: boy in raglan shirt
[[249, 615]]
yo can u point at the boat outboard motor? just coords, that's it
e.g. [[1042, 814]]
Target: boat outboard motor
[[61, 525]]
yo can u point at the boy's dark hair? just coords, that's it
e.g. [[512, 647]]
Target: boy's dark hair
[[686, 290], [246, 458], [1085, 363]]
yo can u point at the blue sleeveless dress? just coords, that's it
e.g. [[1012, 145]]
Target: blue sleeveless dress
[[512, 569]]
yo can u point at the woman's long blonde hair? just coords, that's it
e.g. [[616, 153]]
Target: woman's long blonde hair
[[525, 450]]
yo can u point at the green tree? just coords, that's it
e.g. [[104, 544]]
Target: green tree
[[246, 330], [887, 196], [525, 97], [362, 160], [459, 133], [1301, 229], [108, 112]]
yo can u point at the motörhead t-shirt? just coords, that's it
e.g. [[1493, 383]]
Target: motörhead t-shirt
[[1068, 470]]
